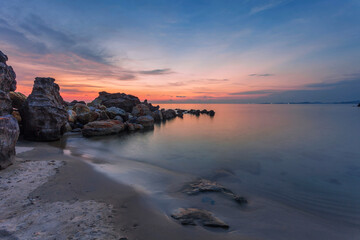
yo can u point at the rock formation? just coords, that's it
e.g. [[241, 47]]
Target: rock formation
[[102, 128], [18, 99], [119, 100], [44, 115], [9, 128]]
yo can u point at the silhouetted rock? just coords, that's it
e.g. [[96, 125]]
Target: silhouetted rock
[[73, 103], [147, 121], [157, 115], [211, 112], [140, 110], [9, 133], [119, 100], [44, 114], [101, 128], [168, 114], [18, 99], [3, 57], [194, 216]]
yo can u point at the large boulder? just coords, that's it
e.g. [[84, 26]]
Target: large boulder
[[9, 133], [119, 100], [168, 114], [157, 115], [112, 112], [18, 99], [9, 128], [147, 121], [141, 110], [102, 128], [44, 114]]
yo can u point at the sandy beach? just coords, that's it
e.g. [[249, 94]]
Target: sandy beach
[[48, 195]]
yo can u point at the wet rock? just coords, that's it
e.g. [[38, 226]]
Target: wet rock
[[102, 128], [112, 112], [194, 216], [146, 121], [141, 110], [18, 99], [119, 100], [168, 114], [44, 114], [9, 133], [157, 116], [204, 185]]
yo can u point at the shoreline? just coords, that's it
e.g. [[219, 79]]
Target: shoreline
[[71, 200]]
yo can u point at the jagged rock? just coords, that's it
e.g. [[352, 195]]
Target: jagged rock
[[146, 121], [44, 114], [18, 99], [3, 57], [9, 133], [168, 114], [72, 116], [5, 103], [101, 128], [204, 185], [157, 115], [112, 112], [194, 216], [7, 78], [141, 110], [119, 100]]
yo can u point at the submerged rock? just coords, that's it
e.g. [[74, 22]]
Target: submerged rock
[[204, 185], [194, 216], [102, 128], [44, 114], [9, 133]]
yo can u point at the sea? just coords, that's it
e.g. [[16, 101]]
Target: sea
[[297, 165]]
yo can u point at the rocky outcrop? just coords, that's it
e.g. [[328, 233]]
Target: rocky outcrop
[[5, 103], [18, 99], [141, 110], [44, 114], [102, 128], [146, 121], [119, 100], [157, 115], [204, 185], [194, 216], [168, 114], [9, 127], [9, 133]]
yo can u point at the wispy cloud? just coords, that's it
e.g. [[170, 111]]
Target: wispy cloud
[[266, 6], [261, 75], [157, 71], [258, 92], [181, 96]]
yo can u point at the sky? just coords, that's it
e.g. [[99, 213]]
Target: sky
[[188, 51]]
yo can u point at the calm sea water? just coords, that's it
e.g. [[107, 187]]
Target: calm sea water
[[299, 166]]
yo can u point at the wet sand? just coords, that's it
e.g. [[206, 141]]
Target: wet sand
[[72, 201]]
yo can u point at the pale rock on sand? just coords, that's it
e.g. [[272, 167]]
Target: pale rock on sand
[[22, 217]]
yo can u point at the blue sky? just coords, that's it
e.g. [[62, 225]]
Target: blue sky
[[188, 51]]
